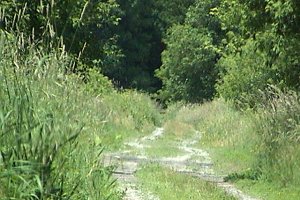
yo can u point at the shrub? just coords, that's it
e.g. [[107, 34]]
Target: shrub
[[97, 83], [243, 75], [188, 72]]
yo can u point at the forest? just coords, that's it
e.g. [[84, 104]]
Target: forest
[[79, 77]]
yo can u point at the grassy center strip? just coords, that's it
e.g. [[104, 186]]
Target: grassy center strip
[[167, 184]]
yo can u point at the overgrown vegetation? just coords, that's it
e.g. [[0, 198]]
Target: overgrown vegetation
[[42, 125], [257, 63], [55, 99], [54, 126], [279, 134], [257, 149]]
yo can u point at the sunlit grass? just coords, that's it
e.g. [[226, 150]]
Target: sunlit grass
[[53, 129], [250, 144], [163, 147], [269, 190], [167, 184], [227, 134]]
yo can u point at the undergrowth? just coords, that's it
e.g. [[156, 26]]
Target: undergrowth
[[259, 146], [225, 132], [54, 126], [279, 150], [42, 123]]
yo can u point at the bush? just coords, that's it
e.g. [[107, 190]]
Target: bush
[[188, 72], [243, 75], [97, 83]]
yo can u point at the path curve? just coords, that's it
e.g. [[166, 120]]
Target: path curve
[[195, 162]]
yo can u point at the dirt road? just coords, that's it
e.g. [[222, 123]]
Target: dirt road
[[191, 161]]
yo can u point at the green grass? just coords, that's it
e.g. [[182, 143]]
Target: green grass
[[268, 190], [230, 159], [130, 114], [167, 184], [53, 128], [226, 134], [258, 145], [163, 147], [279, 149], [175, 132], [47, 146]]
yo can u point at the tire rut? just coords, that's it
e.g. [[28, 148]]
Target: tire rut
[[195, 162]]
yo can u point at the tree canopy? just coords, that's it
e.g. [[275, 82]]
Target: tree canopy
[[189, 50]]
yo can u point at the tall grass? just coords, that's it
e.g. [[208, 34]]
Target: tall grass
[[229, 135], [129, 114], [47, 151], [279, 149], [55, 126], [261, 144]]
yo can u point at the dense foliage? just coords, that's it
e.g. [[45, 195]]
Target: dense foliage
[[85, 27], [55, 125], [263, 42], [182, 50], [189, 69], [45, 153], [246, 45]]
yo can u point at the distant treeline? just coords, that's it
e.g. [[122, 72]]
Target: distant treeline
[[189, 50]]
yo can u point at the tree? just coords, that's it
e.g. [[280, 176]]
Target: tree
[[171, 12], [189, 70], [140, 42], [141, 31], [85, 26], [271, 27]]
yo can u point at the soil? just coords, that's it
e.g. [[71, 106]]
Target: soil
[[193, 161]]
